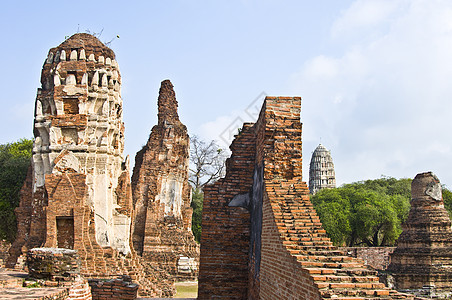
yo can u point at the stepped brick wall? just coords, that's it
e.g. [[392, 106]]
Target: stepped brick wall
[[422, 261], [262, 238], [161, 230]]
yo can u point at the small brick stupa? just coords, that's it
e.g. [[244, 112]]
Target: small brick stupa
[[422, 262]]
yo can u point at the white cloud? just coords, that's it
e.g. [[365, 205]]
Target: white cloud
[[225, 127], [383, 105], [363, 15]]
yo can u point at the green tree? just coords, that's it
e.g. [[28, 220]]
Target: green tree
[[334, 211], [366, 213], [196, 204], [14, 163], [447, 198]]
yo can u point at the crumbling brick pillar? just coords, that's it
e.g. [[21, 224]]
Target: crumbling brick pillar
[[161, 231]]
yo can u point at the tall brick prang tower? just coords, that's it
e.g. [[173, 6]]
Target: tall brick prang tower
[[78, 151], [162, 195], [78, 193], [321, 170]]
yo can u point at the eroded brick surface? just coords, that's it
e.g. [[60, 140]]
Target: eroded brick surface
[[262, 238]]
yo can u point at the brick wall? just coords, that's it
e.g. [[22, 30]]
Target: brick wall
[[375, 257], [114, 289], [262, 238], [226, 230]]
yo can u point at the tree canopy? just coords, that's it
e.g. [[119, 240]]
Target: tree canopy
[[196, 204], [14, 163], [368, 213]]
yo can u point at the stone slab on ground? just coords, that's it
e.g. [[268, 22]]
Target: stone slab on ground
[[11, 279], [31, 293]]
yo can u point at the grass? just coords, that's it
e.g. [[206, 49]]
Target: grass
[[186, 289]]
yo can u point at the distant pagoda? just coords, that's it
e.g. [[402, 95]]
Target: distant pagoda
[[321, 170]]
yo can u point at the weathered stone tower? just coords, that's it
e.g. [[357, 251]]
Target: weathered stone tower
[[422, 261], [78, 151], [162, 195], [321, 170]]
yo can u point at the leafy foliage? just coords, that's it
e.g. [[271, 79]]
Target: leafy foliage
[[366, 213], [196, 204], [14, 163], [447, 197]]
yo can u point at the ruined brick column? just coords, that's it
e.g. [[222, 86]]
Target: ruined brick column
[[422, 261], [161, 192], [78, 192]]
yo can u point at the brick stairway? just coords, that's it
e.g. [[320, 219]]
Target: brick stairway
[[335, 274]]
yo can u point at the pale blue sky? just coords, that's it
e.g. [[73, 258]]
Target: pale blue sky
[[374, 75]]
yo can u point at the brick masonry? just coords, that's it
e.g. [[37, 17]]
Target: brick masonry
[[78, 192], [262, 238], [161, 231], [376, 257], [114, 289]]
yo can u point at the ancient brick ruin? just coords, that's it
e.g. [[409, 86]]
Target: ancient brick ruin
[[72, 197], [162, 195], [261, 237], [78, 192], [321, 170], [422, 261]]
